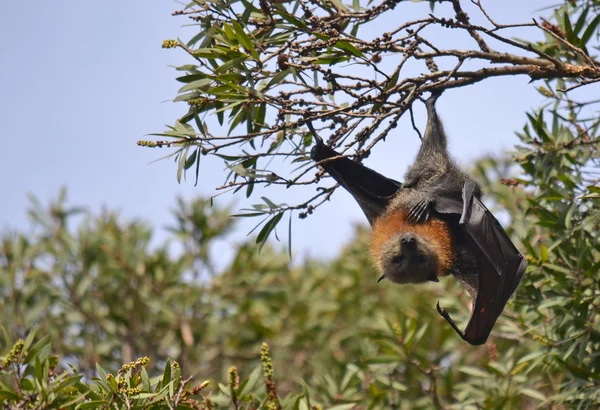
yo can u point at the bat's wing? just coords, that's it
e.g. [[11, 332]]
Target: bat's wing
[[370, 189], [500, 266]]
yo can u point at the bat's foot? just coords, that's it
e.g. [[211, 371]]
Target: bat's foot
[[430, 102], [420, 212]]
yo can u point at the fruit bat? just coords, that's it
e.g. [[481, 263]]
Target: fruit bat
[[432, 225]]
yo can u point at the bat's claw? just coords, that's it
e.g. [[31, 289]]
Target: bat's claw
[[441, 311], [419, 212], [430, 102], [312, 130]]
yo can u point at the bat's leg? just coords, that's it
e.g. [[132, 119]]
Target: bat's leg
[[435, 137], [446, 316]]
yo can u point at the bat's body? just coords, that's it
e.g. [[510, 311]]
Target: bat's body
[[433, 225], [408, 245]]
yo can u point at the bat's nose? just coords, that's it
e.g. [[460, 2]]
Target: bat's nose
[[408, 240]]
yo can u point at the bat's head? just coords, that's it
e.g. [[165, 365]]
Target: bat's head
[[408, 257], [411, 253]]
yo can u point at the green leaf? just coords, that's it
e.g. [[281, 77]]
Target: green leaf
[[327, 59], [181, 164], [474, 371], [233, 63], [9, 395], [7, 340], [145, 379], [543, 253], [295, 22], [191, 160], [569, 215], [101, 372], [347, 46], [263, 235], [95, 404], [224, 389], [534, 394], [198, 84], [167, 374], [249, 384], [346, 406], [590, 30], [250, 187], [244, 40], [594, 189], [567, 23], [162, 393], [557, 268], [278, 78], [145, 395], [209, 53], [581, 21], [28, 340], [40, 350], [269, 203], [195, 39], [229, 33], [290, 236]]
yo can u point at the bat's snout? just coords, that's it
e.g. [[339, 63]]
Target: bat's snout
[[408, 241]]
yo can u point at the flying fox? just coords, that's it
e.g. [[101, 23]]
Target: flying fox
[[433, 225]]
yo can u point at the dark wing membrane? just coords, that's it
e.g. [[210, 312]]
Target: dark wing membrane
[[465, 266], [500, 267], [370, 189]]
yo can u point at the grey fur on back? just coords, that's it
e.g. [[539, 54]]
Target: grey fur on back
[[434, 173]]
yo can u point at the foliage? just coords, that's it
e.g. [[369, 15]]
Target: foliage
[[100, 293], [36, 385], [261, 70]]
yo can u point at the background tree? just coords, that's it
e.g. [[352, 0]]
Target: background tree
[[102, 294]]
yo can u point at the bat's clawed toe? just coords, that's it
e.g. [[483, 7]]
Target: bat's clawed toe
[[420, 212]]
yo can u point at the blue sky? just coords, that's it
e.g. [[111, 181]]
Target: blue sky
[[80, 84]]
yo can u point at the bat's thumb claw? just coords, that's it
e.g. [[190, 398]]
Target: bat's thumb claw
[[318, 139]]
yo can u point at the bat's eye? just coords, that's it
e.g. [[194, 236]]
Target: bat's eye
[[418, 259], [397, 259]]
